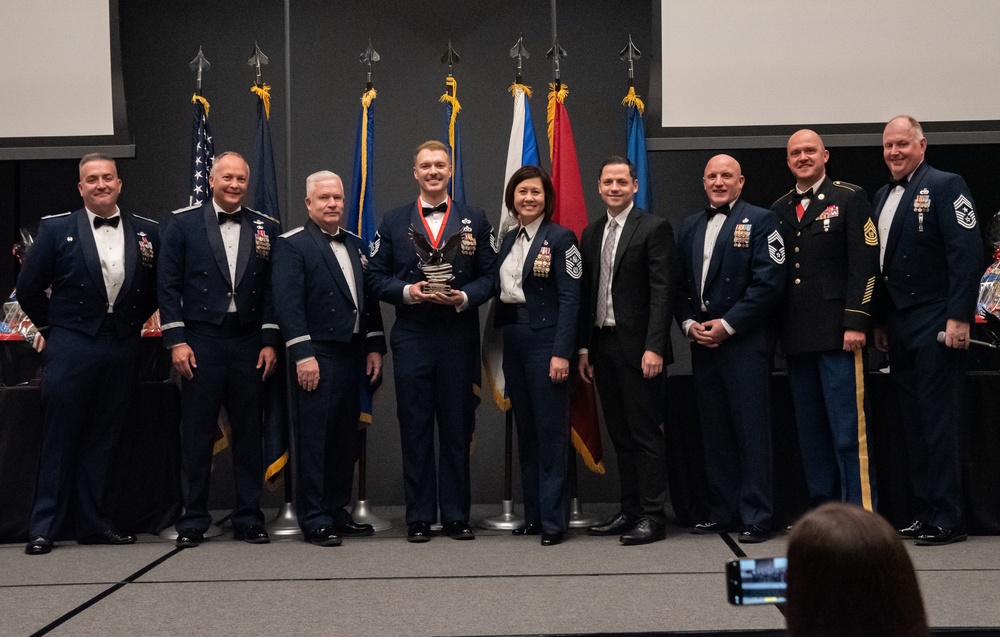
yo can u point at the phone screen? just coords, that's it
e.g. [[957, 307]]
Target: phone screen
[[750, 581]]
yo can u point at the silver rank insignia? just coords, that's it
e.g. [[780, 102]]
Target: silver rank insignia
[[262, 243], [741, 235], [965, 214], [543, 262], [776, 247], [145, 250], [574, 262], [376, 244]]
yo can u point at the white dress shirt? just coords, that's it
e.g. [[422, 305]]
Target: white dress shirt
[[231, 240], [111, 252], [512, 268]]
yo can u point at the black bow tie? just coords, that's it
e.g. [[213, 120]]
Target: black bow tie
[[441, 207], [340, 237], [799, 196], [235, 217], [722, 210], [102, 221], [897, 182]]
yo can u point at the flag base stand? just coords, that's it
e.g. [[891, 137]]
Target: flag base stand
[[285, 524], [577, 519], [363, 514], [506, 521], [170, 533]]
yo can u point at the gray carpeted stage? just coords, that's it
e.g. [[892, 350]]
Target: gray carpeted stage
[[382, 585]]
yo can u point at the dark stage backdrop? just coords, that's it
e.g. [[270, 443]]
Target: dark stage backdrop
[[160, 39]]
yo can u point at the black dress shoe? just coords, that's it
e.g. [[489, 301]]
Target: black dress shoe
[[38, 545], [528, 529], [459, 530], [418, 532], [189, 538], [323, 536], [253, 534], [753, 534], [711, 528], [551, 539], [911, 532], [350, 528], [615, 525], [108, 537], [937, 536], [645, 531]]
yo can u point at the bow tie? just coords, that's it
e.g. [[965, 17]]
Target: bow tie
[[799, 196], [112, 221], [441, 207], [722, 210], [898, 182], [340, 237], [235, 217]]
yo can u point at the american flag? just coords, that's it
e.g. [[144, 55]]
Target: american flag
[[202, 153]]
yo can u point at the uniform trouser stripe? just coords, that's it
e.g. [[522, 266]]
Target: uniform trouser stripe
[[859, 397]]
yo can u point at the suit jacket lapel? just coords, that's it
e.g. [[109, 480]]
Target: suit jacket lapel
[[725, 235], [246, 248], [131, 253], [628, 231], [329, 258], [89, 247], [532, 253], [905, 205], [211, 220], [698, 250]]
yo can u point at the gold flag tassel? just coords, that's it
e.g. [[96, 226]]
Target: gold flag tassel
[[633, 100], [204, 102], [366, 101], [264, 93], [452, 98], [554, 96]]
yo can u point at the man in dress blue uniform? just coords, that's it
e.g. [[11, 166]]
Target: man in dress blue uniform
[[629, 262], [100, 264], [217, 320], [931, 261], [733, 271], [832, 248], [435, 341], [332, 330]]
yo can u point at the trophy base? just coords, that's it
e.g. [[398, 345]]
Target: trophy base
[[434, 288]]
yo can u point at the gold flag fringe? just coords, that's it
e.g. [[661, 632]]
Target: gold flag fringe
[[264, 93], [204, 102], [633, 100]]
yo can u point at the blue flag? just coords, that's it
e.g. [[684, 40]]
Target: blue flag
[[636, 134], [361, 214], [202, 152], [453, 140], [263, 182]]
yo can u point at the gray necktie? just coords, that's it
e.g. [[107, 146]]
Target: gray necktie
[[607, 265]]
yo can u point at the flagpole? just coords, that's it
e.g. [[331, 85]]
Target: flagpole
[[577, 519], [361, 511]]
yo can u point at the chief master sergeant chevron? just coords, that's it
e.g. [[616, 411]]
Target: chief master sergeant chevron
[[931, 259], [101, 266], [217, 320]]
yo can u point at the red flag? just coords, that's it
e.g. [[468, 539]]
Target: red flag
[[571, 212]]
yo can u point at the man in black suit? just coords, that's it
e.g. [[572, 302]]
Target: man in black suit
[[435, 340], [931, 259], [217, 321], [333, 331], [100, 264], [832, 246], [732, 260], [624, 339]]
